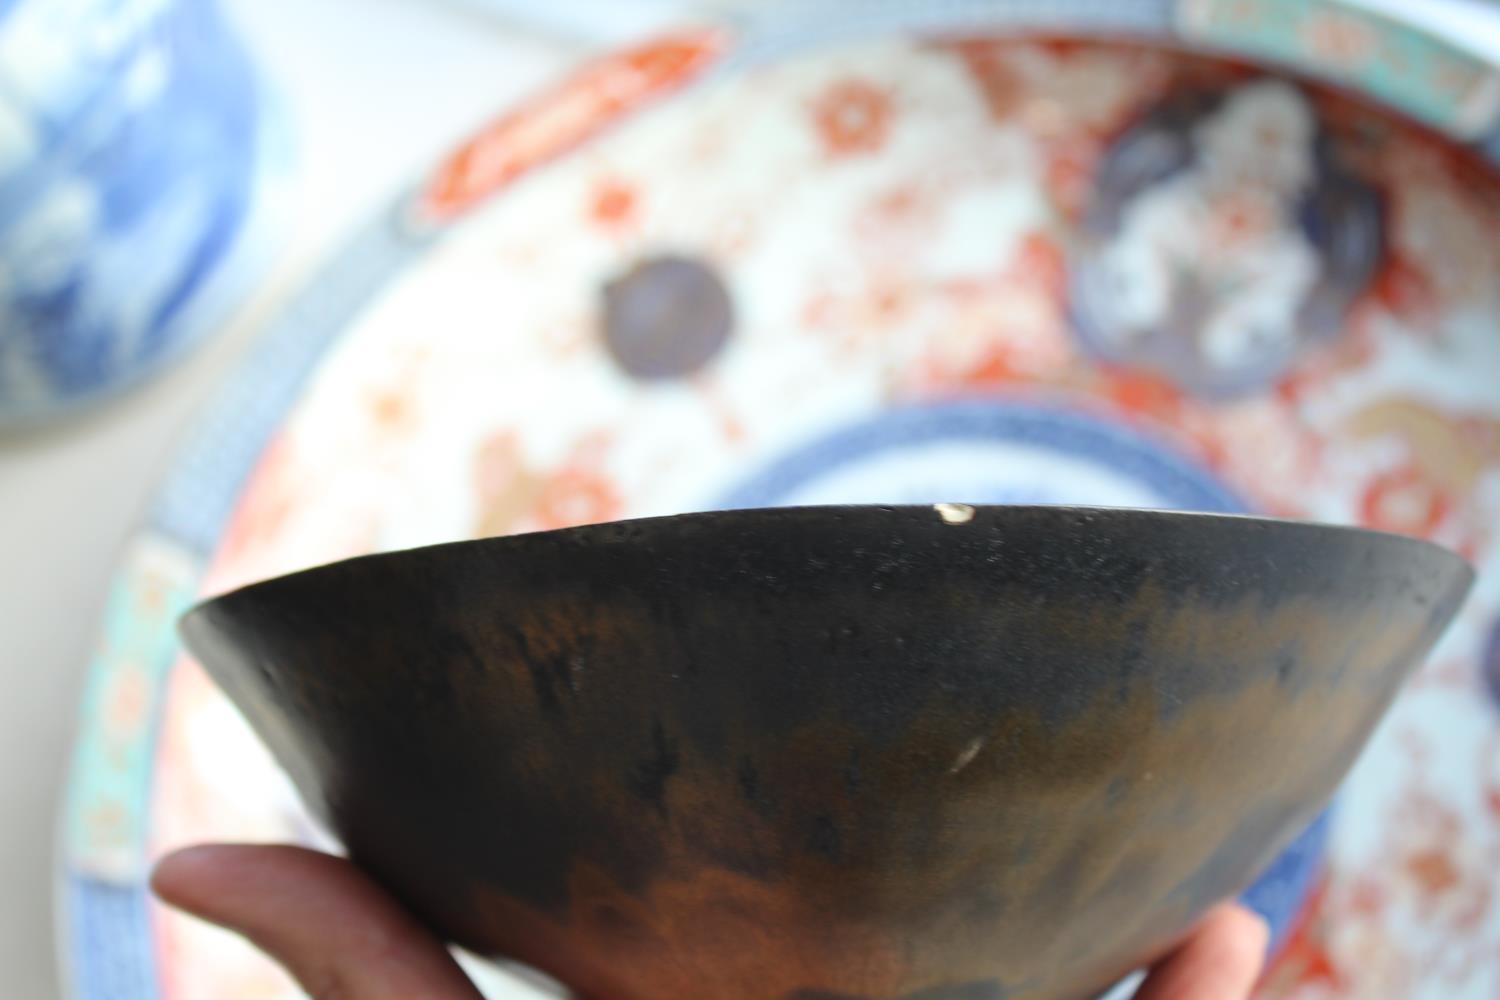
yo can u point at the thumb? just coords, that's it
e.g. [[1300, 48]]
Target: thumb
[[1221, 960], [335, 930]]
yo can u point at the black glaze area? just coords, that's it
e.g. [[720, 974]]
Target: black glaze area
[[1019, 752]]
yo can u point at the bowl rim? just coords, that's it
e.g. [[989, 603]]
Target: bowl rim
[[1454, 563]]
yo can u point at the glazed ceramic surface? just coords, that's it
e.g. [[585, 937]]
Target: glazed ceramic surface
[[832, 752], [905, 266]]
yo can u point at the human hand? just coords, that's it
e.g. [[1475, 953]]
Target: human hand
[[343, 938]]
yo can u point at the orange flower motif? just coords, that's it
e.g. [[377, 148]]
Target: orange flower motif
[[1305, 959], [1002, 88], [900, 217], [600, 93], [1144, 392], [1433, 871], [1068, 176], [577, 496], [580, 492], [1040, 264], [613, 205], [1405, 288], [515, 496], [853, 117], [1404, 500]]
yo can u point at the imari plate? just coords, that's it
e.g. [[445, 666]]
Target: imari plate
[[1066, 252]]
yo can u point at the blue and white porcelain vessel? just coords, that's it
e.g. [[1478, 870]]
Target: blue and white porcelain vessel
[[130, 135]]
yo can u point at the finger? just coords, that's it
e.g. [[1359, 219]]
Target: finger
[[333, 929], [1220, 961]]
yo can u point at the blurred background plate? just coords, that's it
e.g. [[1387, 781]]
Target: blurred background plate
[[969, 250]]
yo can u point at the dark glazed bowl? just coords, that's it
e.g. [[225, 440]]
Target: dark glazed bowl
[[834, 752]]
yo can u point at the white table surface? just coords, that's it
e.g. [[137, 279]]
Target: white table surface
[[376, 88]]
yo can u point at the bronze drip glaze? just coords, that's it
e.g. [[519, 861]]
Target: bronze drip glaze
[[830, 753]]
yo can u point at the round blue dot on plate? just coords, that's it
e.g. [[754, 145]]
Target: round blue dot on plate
[[667, 317]]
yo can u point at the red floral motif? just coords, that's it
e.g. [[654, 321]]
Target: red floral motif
[[1435, 871], [1002, 88], [392, 397], [1352, 350], [1405, 289], [1059, 89], [1442, 863], [1143, 391], [613, 204], [854, 319], [1448, 462], [1305, 959], [900, 217], [513, 496], [561, 119], [579, 493], [1404, 500], [1004, 326], [1068, 175], [853, 116], [988, 367], [1040, 262], [1265, 449]]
